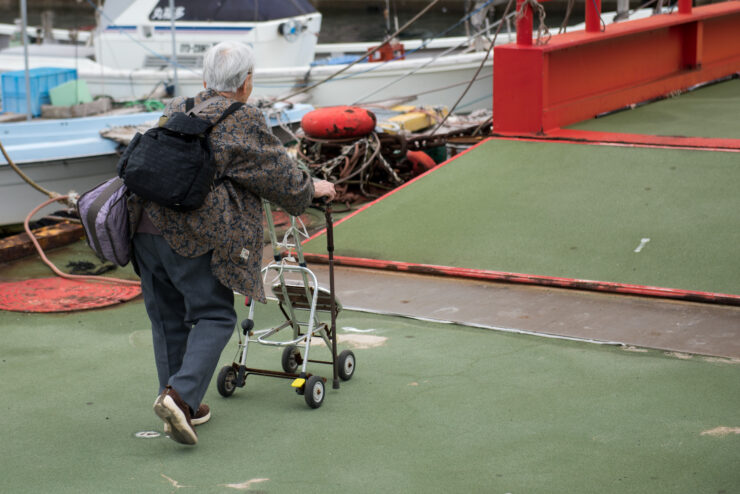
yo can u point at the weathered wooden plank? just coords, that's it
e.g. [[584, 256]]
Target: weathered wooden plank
[[49, 237]]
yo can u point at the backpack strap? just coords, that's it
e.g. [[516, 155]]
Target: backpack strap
[[194, 110]]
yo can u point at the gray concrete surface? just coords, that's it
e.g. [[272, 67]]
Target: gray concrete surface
[[643, 322]]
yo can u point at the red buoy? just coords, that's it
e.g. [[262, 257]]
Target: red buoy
[[420, 161], [338, 122]]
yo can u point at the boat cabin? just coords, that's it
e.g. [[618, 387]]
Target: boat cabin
[[136, 35]]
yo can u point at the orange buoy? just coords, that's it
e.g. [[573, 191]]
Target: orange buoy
[[420, 161], [338, 122]]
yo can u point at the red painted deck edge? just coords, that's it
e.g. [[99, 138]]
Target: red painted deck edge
[[553, 281], [637, 140]]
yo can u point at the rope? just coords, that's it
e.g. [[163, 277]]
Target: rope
[[53, 195], [432, 60], [358, 162], [368, 55], [39, 249], [601, 19], [477, 72], [542, 28], [376, 66], [428, 91], [568, 11]]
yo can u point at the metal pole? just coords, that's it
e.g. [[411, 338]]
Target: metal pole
[[684, 6], [174, 45], [387, 15], [524, 24], [24, 25], [623, 6], [332, 305], [593, 16]]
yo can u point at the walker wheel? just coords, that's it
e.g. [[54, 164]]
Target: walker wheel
[[226, 381], [346, 365], [291, 359], [314, 391]]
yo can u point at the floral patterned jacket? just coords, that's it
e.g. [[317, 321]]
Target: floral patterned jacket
[[255, 165]]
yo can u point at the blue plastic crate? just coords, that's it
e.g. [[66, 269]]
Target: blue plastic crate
[[41, 80]]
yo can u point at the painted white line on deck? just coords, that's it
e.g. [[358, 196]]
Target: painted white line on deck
[[487, 326], [643, 243], [147, 434], [245, 485], [355, 330]]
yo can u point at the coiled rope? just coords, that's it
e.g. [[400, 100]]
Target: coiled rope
[[69, 199]]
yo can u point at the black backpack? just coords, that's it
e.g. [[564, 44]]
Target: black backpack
[[172, 164]]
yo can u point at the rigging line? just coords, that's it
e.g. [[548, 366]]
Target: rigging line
[[413, 71], [542, 28], [643, 6], [601, 19], [469, 103], [442, 33], [568, 11], [475, 76], [429, 91], [299, 7], [376, 66], [368, 55]]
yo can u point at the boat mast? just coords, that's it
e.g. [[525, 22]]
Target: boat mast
[[24, 36], [174, 45], [387, 15]]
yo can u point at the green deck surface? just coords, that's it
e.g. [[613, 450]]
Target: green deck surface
[[566, 210], [432, 408], [712, 111]]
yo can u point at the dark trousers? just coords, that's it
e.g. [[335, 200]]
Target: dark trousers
[[191, 312]]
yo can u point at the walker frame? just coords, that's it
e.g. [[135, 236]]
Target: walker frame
[[303, 294]]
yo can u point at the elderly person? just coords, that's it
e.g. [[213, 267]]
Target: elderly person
[[190, 263]]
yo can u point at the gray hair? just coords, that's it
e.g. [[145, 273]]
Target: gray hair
[[227, 65]]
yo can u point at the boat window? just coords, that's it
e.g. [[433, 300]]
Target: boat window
[[230, 10]]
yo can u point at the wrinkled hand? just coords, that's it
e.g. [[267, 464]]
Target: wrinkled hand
[[322, 188]]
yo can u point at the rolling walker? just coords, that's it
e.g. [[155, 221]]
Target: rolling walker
[[296, 295]]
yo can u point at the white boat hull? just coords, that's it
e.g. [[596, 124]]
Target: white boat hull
[[429, 83]]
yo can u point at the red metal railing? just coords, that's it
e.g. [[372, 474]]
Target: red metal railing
[[577, 75]]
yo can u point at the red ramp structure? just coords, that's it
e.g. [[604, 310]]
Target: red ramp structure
[[576, 76]]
